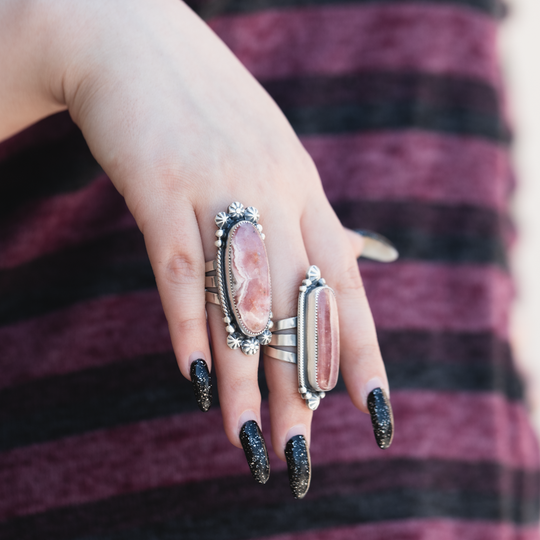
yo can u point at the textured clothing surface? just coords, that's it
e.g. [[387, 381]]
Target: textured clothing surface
[[399, 103]]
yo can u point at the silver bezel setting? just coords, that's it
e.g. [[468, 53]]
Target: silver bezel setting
[[305, 339], [240, 337]]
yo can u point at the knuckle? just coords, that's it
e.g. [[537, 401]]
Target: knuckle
[[175, 177], [190, 325], [368, 350], [245, 387], [182, 269], [350, 282]]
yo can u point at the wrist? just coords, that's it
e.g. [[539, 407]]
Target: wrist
[[31, 79]]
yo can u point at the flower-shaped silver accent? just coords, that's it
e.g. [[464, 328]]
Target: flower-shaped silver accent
[[252, 214], [221, 219], [265, 337], [313, 274], [250, 346], [234, 341], [236, 210], [313, 402]]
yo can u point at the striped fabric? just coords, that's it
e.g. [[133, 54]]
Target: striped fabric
[[399, 103]]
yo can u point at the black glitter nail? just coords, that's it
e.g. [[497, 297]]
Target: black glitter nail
[[382, 417], [202, 384], [255, 450], [298, 463]]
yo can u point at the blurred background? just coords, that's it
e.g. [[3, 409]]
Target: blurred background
[[520, 48]]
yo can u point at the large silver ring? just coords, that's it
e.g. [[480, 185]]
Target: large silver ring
[[311, 339], [238, 279]]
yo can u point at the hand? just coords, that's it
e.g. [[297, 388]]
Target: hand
[[182, 130]]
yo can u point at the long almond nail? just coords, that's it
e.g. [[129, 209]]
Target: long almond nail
[[382, 417], [202, 384], [299, 465], [377, 247], [255, 450]]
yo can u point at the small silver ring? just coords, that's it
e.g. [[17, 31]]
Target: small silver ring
[[238, 279], [311, 339]]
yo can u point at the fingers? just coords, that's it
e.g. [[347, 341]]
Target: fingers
[[237, 373], [361, 363], [247, 281], [291, 418], [174, 246], [240, 397]]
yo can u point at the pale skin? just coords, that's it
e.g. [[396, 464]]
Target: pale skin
[[182, 130]]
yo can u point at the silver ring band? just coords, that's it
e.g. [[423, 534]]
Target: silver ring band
[[284, 340], [285, 324], [278, 354]]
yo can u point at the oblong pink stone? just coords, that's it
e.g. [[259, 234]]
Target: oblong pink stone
[[250, 290], [327, 340]]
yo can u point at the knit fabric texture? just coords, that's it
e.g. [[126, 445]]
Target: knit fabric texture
[[399, 103]]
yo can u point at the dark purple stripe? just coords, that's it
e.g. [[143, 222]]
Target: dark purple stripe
[[382, 87], [117, 263], [213, 8], [449, 426], [340, 494], [383, 100], [88, 334], [113, 264], [59, 222], [150, 387], [40, 163], [453, 234], [436, 219]]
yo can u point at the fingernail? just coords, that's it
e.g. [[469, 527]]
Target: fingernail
[[382, 417], [299, 466], [202, 384], [377, 247], [255, 450]]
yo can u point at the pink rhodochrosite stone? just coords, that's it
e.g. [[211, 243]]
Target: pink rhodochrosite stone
[[250, 288], [327, 340]]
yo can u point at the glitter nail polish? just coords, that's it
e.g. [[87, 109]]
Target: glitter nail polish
[[255, 450], [202, 384], [299, 465], [382, 417]]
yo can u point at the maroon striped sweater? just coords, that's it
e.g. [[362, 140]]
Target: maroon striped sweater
[[399, 103]]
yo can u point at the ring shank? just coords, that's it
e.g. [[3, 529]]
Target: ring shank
[[285, 324], [213, 298], [278, 354], [283, 340]]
